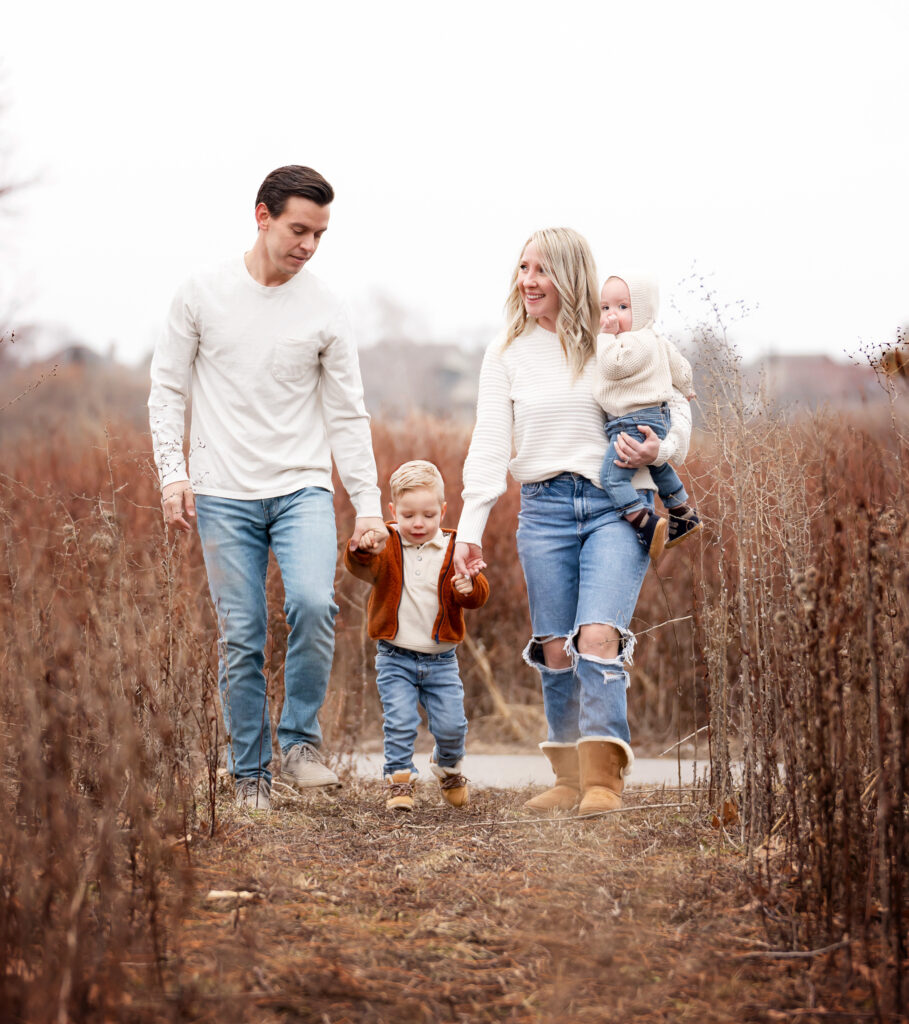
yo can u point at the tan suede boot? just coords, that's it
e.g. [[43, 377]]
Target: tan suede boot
[[564, 794], [454, 786], [399, 791], [603, 763]]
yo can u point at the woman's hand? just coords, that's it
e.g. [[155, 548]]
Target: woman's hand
[[468, 559], [633, 454]]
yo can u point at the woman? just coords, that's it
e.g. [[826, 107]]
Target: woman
[[582, 562]]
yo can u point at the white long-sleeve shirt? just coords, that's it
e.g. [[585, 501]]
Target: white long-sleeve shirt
[[536, 420], [275, 384]]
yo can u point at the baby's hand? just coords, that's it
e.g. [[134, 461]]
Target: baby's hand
[[371, 541], [609, 324], [463, 584], [691, 397]]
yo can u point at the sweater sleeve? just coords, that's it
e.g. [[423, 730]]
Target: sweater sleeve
[[486, 466], [674, 446], [346, 419], [171, 369], [623, 355], [679, 368]]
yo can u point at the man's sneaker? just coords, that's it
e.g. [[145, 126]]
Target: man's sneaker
[[253, 794], [399, 791], [302, 766], [454, 786], [652, 533], [683, 526]]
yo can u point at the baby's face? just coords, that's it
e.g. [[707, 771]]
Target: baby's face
[[615, 300]]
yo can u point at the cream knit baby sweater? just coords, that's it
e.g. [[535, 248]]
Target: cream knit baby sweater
[[639, 368], [536, 419]]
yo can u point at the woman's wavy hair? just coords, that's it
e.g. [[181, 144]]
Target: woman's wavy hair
[[568, 262]]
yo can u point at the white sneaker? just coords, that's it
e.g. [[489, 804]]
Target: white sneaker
[[253, 794], [302, 766]]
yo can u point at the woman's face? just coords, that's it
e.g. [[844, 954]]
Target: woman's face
[[541, 300]]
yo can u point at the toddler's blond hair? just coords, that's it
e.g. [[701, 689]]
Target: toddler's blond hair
[[411, 476]]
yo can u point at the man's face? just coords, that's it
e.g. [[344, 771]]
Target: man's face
[[292, 238]]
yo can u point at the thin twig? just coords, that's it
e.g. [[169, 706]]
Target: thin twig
[[797, 954]]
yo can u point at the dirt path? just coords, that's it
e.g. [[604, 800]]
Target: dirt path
[[477, 916]]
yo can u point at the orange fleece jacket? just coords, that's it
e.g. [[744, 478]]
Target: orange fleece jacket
[[385, 571]]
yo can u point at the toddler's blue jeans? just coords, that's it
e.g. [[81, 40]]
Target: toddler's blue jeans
[[406, 679]]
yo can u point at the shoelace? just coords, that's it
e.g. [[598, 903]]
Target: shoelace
[[401, 789], [453, 782]]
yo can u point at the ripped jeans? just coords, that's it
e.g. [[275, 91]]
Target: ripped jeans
[[583, 564]]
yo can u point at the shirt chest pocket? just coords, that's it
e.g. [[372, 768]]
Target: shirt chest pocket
[[295, 359]]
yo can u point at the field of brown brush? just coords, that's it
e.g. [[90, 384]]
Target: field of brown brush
[[783, 632]]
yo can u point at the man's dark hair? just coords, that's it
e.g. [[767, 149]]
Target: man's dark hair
[[293, 180]]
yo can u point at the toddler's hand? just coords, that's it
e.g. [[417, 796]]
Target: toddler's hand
[[691, 397], [463, 584], [371, 541], [609, 324]]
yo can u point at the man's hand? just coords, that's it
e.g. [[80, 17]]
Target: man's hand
[[369, 535], [179, 504], [633, 454], [463, 584], [468, 559]]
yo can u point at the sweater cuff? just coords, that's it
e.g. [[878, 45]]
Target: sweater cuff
[[472, 524], [367, 504], [667, 450], [175, 476]]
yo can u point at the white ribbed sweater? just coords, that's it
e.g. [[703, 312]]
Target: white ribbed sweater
[[536, 420]]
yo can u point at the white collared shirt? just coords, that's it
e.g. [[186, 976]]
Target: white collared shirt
[[419, 606]]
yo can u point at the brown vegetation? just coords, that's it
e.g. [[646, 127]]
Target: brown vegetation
[[784, 630]]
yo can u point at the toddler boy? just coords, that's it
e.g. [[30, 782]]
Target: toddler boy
[[636, 372], [416, 617]]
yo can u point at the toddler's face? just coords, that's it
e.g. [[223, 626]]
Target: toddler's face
[[419, 514], [615, 301]]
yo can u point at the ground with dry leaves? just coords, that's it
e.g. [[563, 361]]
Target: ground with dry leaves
[[344, 913]]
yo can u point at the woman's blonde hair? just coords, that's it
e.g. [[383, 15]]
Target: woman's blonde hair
[[568, 263]]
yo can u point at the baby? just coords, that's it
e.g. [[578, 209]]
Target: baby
[[416, 617], [636, 372]]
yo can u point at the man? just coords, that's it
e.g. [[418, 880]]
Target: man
[[267, 354]]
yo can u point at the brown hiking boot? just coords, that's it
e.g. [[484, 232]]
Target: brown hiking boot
[[603, 763], [399, 791], [565, 793], [454, 786]]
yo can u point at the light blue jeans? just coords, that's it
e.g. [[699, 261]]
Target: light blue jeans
[[236, 536], [583, 565], [616, 480], [406, 678]]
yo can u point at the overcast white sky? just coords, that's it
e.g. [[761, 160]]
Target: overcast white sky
[[765, 144]]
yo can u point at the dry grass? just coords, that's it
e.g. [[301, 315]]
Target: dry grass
[[795, 656], [354, 915]]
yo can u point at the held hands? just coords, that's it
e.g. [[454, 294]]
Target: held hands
[[369, 535], [179, 504], [463, 584], [468, 560]]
